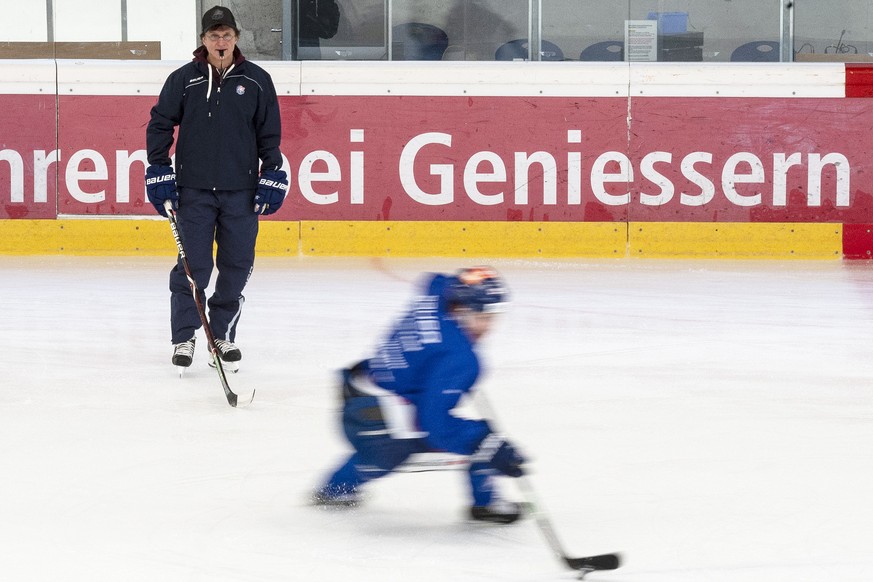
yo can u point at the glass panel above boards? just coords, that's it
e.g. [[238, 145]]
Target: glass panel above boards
[[580, 30], [459, 30], [662, 30], [833, 31], [339, 30]]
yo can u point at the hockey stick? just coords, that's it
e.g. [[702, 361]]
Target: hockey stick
[[234, 399], [433, 461], [584, 564]]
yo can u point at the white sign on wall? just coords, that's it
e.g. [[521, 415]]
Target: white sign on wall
[[641, 40]]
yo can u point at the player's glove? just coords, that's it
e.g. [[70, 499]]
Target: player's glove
[[496, 453], [272, 188], [160, 184]]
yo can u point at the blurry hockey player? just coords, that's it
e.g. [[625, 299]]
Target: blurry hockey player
[[400, 402]]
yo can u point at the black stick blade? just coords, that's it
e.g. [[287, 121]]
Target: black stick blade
[[601, 562], [236, 400]]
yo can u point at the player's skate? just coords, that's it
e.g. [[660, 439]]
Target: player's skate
[[183, 355], [498, 511], [332, 496], [230, 355]]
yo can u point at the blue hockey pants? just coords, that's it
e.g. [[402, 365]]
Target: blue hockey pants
[[377, 454]]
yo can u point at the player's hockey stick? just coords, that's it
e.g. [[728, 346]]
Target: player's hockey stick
[[584, 564], [234, 399], [433, 461]]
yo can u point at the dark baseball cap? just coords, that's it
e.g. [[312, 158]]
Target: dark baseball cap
[[218, 16]]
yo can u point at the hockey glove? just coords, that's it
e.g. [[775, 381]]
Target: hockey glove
[[160, 187], [272, 188], [496, 453]]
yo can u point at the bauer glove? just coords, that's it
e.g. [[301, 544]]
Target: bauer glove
[[272, 188], [496, 453], [160, 184]]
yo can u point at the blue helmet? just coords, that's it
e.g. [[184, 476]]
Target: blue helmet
[[479, 289]]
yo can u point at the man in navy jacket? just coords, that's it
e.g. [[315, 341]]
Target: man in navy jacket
[[400, 401], [227, 172]]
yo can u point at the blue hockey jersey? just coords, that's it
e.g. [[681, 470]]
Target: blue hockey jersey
[[428, 360]]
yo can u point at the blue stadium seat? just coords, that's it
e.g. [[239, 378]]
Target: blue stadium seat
[[607, 50], [759, 51], [517, 50], [417, 41]]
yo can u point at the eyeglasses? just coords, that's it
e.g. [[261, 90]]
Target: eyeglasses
[[227, 37]]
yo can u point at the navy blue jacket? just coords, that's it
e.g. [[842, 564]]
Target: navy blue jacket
[[226, 134], [429, 360]]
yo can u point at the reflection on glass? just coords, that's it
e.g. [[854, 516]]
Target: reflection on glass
[[358, 30], [576, 25], [587, 30], [474, 29], [833, 31], [318, 19], [685, 30]]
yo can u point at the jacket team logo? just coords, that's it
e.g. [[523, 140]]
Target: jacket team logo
[[240, 90]]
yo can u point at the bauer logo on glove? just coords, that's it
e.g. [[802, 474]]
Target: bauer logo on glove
[[272, 188], [161, 179], [273, 184], [160, 182]]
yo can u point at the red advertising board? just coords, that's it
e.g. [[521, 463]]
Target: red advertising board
[[101, 139], [485, 158], [27, 149]]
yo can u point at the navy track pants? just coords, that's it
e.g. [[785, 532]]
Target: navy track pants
[[227, 219]]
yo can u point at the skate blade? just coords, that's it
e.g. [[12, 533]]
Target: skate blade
[[232, 367]]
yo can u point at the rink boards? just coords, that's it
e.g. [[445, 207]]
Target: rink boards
[[124, 237], [465, 159]]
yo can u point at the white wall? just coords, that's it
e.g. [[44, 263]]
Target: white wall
[[23, 21], [174, 23], [94, 20]]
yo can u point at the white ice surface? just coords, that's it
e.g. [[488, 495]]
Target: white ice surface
[[711, 420]]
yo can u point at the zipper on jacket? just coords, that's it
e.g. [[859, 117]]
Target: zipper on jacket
[[219, 82]]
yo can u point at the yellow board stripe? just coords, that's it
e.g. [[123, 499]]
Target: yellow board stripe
[[120, 237], [126, 237], [278, 239], [740, 240], [500, 239]]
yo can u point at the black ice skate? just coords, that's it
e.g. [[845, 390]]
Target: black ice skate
[[183, 354], [333, 497], [229, 353], [497, 511]]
